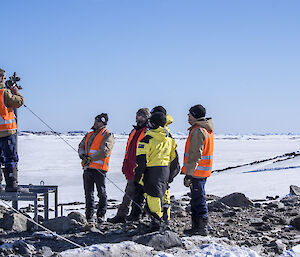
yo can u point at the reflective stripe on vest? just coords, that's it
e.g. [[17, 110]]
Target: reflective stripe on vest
[[7, 116], [102, 164], [131, 135], [204, 166]]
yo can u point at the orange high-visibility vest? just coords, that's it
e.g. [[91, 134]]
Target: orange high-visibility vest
[[131, 135], [7, 116], [204, 166], [96, 144]]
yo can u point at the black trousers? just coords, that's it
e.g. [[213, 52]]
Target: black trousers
[[90, 178]]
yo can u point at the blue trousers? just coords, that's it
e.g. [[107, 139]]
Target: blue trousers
[[8, 151], [198, 202]]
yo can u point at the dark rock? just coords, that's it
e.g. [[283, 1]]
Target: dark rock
[[290, 200], [7, 252], [217, 206], [24, 248], [296, 223], [264, 227], [257, 205], [159, 241], [293, 213], [209, 197], [63, 225], [272, 198], [278, 246], [236, 200], [229, 214], [45, 251], [274, 219], [78, 217], [294, 190], [275, 204], [256, 222], [13, 221], [3, 210]]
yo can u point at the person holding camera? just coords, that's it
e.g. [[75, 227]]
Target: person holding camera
[[10, 99], [94, 150]]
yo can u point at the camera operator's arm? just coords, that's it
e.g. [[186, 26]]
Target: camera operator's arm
[[12, 98]]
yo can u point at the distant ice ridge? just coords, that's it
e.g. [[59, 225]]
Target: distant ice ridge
[[178, 135]]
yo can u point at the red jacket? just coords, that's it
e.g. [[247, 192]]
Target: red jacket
[[129, 162]]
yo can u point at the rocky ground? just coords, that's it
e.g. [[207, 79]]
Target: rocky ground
[[268, 226]]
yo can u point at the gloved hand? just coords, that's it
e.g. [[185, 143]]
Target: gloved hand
[[86, 160], [187, 180]]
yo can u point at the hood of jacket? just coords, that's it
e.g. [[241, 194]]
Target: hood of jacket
[[169, 119], [206, 123], [160, 133]]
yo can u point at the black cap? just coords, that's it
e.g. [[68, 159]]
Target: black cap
[[103, 117], [198, 111], [158, 119], [159, 108]]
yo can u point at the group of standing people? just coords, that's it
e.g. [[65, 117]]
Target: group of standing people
[[150, 165]]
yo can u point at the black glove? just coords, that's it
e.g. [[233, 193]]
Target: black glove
[[86, 160], [187, 180]]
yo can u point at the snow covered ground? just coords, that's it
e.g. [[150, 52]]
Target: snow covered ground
[[47, 158]]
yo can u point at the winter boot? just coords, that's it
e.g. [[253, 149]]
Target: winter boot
[[202, 230], [117, 219], [199, 227], [11, 179], [135, 213], [156, 225], [100, 219]]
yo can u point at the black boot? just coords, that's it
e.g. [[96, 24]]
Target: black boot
[[135, 213], [11, 179], [117, 219], [199, 227]]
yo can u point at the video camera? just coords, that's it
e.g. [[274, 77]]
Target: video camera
[[13, 81]]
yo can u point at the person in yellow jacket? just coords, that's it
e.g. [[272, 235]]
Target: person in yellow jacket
[[94, 150], [157, 165], [197, 166], [9, 99], [169, 118]]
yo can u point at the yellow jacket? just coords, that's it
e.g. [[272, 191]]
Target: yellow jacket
[[157, 161], [158, 146]]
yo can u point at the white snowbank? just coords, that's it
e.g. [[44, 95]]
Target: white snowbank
[[132, 249]]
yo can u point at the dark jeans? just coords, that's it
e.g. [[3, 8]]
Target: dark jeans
[[8, 151], [90, 178], [129, 195], [198, 202]]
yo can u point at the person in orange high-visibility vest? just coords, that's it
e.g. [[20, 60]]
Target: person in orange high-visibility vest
[[94, 150], [197, 166], [10, 99], [133, 191]]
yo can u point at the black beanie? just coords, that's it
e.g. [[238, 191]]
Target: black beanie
[[159, 108], [103, 117], [158, 119], [198, 111]]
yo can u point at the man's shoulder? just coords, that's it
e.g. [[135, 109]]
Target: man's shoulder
[[146, 139]]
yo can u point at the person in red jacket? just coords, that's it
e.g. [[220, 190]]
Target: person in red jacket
[[133, 190]]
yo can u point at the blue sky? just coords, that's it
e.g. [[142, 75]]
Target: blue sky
[[78, 58]]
